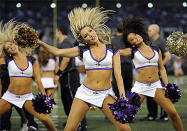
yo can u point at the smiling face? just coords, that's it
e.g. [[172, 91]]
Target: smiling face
[[11, 48], [89, 35], [134, 39]]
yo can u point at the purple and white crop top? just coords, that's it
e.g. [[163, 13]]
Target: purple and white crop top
[[92, 64], [15, 71], [141, 61], [50, 65]]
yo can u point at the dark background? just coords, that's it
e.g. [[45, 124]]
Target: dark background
[[170, 15]]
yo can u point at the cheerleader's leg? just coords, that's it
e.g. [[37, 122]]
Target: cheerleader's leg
[[4, 106], [42, 117], [105, 109]]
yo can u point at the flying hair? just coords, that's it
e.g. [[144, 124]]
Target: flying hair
[[94, 18], [135, 25], [8, 32]]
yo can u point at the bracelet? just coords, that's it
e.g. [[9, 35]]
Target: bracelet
[[59, 73]]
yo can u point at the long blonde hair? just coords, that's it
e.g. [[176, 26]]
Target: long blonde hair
[[91, 17], [8, 32]]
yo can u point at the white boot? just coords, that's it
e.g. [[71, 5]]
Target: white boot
[[24, 127]]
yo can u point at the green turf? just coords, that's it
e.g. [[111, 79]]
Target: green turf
[[96, 120]]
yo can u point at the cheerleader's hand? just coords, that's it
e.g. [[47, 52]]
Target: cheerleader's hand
[[39, 42], [56, 80], [43, 92], [123, 96]]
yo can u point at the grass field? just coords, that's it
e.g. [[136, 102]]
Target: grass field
[[96, 120]]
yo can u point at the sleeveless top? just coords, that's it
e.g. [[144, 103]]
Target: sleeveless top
[[50, 65], [15, 71], [141, 61], [92, 64]]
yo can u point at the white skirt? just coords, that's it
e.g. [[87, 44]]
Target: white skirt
[[48, 82], [17, 100], [93, 97], [147, 89]]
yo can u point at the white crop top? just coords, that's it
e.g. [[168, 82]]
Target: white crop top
[[140, 61], [92, 64], [50, 65], [15, 71]]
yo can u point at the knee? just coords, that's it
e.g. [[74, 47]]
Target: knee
[[68, 128], [43, 119], [173, 114]]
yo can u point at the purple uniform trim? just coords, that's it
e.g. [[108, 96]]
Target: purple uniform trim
[[35, 61], [22, 76], [96, 90], [96, 59], [20, 68], [145, 56], [116, 52], [110, 49], [146, 66], [99, 69], [17, 94]]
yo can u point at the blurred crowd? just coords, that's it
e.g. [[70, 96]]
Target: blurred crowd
[[41, 18]]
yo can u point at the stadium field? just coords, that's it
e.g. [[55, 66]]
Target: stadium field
[[96, 120]]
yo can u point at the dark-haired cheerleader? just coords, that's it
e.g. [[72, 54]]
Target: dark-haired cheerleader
[[21, 69], [100, 58], [148, 62]]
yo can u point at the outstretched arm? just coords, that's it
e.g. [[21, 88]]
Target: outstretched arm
[[162, 69], [69, 52], [125, 52], [117, 74]]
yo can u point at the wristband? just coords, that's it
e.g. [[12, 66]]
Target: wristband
[[59, 73]]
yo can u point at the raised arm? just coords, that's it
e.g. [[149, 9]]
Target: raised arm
[[125, 52], [117, 73], [69, 52], [162, 69]]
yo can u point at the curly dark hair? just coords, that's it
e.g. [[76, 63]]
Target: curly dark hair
[[135, 25]]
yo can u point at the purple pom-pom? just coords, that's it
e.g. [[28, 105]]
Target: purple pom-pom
[[173, 92], [133, 99], [125, 110], [43, 103]]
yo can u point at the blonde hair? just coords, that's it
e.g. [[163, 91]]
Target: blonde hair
[[94, 18], [8, 32]]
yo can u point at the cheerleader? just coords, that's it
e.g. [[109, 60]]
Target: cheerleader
[[100, 58], [21, 69], [178, 70], [49, 67], [148, 62]]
